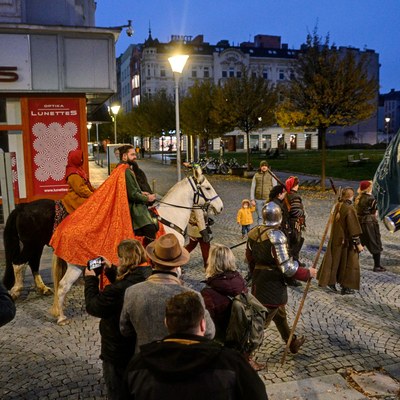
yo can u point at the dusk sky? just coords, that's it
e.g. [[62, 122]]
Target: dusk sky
[[364, 24]]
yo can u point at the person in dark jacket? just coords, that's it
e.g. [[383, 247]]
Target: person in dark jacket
[[297, 217], [223, 283], [7, 306], [186, 365], [366, 208], [223, 280], [116, 350]]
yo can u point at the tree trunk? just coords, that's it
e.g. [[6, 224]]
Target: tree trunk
[[322, 132], [249, 168]]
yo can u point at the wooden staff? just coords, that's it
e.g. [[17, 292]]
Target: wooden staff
[[276, 178], [330, 219]]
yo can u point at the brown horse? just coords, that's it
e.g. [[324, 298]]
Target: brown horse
[[28, 229]]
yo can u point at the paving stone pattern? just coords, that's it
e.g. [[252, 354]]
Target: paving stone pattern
[[40, 360]]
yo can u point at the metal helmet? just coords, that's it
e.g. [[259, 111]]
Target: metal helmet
[[272, 214]]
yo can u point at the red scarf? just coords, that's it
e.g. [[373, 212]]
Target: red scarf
[[74, 165]]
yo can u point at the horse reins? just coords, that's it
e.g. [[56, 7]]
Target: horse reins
[[198, 192]]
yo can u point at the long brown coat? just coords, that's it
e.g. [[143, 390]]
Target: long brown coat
[[341, 261]]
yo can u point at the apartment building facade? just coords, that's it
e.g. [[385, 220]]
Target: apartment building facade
[[266, 56]]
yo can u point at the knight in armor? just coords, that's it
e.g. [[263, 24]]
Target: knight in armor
[[366, 208], [269, 262]]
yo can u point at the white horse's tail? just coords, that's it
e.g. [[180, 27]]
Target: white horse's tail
[[58, 268]]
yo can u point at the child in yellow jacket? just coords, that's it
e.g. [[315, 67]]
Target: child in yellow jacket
[[244, 216]]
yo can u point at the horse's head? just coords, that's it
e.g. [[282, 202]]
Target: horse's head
[[205, 193]]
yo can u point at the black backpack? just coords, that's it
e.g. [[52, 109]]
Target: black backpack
[[245, 329]]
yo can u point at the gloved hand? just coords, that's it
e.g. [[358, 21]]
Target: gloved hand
[[205, 235]]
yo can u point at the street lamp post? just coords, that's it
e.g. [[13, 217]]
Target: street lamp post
[[387, 121], [114, 110], [89, 127], [162, 146], [177, 64]]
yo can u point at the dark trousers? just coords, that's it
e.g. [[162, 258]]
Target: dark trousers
[[204, 247], [113, 377], [278, 315], [245, 229], [148, 232]]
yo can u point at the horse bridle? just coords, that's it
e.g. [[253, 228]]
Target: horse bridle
[[198, 193]]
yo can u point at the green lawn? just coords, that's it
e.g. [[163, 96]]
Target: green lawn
[[309, 162]]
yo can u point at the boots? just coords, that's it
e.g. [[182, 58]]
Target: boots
[[296, 343], [254, 364], [377, 263]]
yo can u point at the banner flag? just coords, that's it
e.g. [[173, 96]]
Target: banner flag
[[386, 183]]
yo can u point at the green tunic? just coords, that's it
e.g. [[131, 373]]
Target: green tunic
[[140, 214]]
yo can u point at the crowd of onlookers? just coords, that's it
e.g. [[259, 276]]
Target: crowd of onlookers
[[156, 333]]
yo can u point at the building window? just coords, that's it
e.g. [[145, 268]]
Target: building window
[[194, 73], [265, 74], [224, 74], [238, 74], [162, 73], [281, 74], [206, 72], [254, 74], [231, 72]]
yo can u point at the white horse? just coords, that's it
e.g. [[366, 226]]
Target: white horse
[[174, 212]]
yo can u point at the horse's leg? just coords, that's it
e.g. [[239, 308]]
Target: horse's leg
[[34, 263], [19, 273], [70, 277]]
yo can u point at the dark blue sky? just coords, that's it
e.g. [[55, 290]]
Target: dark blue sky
[[372, 24]]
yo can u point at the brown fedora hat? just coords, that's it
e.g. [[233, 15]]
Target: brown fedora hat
[[167, 251]]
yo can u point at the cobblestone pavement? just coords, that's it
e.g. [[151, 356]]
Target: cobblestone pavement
[[40, 360]]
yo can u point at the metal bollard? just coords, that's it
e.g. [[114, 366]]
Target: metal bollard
[[153, 185]]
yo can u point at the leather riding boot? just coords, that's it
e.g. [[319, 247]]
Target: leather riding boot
[[377, 263]]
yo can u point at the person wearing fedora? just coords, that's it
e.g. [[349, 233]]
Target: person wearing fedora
[[261, 185], [366, 208], [143, 310], [186, 365]]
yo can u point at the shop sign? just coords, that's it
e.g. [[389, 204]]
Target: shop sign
[[54, 131]]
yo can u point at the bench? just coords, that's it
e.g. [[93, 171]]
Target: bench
[[363, 159], [351, 161]]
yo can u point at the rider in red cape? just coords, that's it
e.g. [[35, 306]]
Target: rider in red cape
[[97, 226]]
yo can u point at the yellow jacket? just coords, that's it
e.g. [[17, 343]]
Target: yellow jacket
[[244, 215]]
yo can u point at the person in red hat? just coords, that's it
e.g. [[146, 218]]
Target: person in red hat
[[296, 221], [366, 208]]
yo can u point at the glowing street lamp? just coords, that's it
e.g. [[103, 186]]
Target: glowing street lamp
[[177, 64], [387, 120], [89, 127], [114, 112]]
